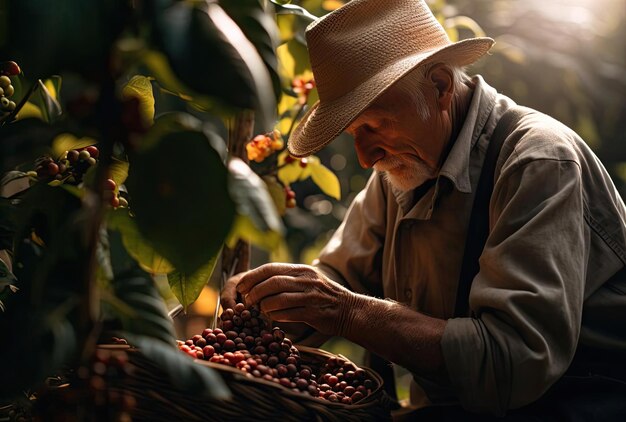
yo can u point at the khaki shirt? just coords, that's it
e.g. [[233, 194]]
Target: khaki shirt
[[557, 234]]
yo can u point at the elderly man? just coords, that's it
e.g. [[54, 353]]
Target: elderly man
[[486, 252]]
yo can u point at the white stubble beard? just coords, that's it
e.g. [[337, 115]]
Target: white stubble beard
[[404, 175]]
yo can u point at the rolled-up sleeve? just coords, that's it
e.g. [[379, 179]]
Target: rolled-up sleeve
[[526, 301], [353, 256]]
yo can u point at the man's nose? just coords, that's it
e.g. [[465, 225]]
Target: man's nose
[[368, 152]]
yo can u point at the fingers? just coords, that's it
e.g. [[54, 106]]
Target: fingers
[[229, 292], [283, 301], [272, 286], [259, 274], [289, 315]]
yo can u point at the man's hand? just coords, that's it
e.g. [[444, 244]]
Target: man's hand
[[294, 293]]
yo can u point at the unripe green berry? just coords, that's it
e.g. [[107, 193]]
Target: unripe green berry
[[91, 161], [4, 102], [83, 155], [5, 81], [9, 91]]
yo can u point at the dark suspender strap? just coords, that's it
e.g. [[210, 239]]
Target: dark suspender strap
[[478, 228]]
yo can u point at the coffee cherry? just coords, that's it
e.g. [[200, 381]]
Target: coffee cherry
[[9, 68], [5, 81], [72, 156], [91, 161], [52, 169], [93, 151], [109, 184], [239, 308], [4, 103], [9, 91], [84, 155]]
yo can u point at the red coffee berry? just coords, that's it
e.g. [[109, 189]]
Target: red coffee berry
[[208, 351], [52, 169], [356, 397], [10, 68], [109, 184], [239, 308], [93, 151]]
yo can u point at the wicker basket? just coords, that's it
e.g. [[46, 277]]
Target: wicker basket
[[253, 399]]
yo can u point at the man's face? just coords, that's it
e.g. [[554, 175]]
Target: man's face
[[391, 137]]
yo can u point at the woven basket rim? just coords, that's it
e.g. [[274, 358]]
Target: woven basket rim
[[243, 376]]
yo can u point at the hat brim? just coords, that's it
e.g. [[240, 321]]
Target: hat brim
[[325, 120]]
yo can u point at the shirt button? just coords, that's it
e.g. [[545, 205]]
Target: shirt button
[[408, 294]]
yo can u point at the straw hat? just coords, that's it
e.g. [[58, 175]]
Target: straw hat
[[360, 50]]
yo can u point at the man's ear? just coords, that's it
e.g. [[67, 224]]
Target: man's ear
[[442, 79]]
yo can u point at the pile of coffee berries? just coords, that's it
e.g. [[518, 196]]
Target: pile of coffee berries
[[244, 341], [262, 146], [344, 382], [70, 167]]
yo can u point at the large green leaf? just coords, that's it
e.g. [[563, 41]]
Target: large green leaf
[[178, 191], [187, 287], [259, 27], [136, 245], [211, 55], [183, 372]]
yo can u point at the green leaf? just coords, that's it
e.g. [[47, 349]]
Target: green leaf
[[203, 44], [245, 229], [136, 246], [140, 87], [182, 371], [288, 173], [118, 171], [49, 106], [149, 316], [277, 193], [260, 28], [67, 141], [186, 287], [178, 190], [252, 198], [326, 180], [282, 8]]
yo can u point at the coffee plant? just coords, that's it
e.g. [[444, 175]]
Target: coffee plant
[[125, 134]]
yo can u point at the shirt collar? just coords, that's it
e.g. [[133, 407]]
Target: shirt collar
[[457, 164]]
